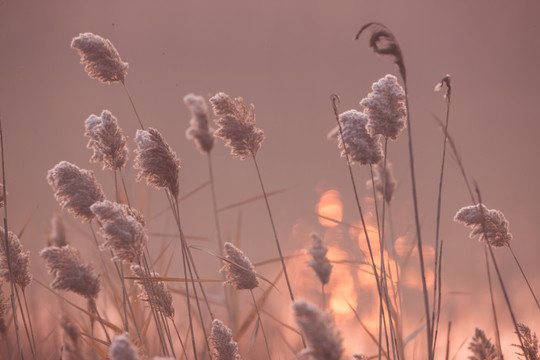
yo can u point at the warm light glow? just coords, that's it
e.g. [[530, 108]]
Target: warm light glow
[[330, 206], [341, 287]]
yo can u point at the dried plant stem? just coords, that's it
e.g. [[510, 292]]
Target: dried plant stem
[[184, 354], [417, 223], [168, 333], [448, 341], [261, 324], [93, 306], [524, 276], [132, 104], [27, 327], [335, 101], [8, 256], [273, 228], [323, 297], [494, 311]]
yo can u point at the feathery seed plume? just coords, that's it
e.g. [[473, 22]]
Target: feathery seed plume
[[319, 262], [385, 108], [362, 147], [236, 125], [154, 292], [489, 225], [381, 177], [19, 259], [530, 348], [238, 270], [123, 230], [222, 345], [107, 140], [156, 161], [324, 341], [75, 189], [122, 349], [70, 273], [57, 235], [70, 340], [100, 58], [199, 129], [481, 347]]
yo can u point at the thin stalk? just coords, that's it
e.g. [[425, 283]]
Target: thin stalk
[[8, 255], [448, 341], [168, 333], [180, 339], [29, 319], [26, 327], [260, 323], [524, 276], [93, 305], [323, 297], [494, 311], [132, 104], [417, 223]]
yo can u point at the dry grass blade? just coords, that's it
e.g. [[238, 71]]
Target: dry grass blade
[[171, 279], [252, 199], [27, 222], [371, 336], [180, 199]]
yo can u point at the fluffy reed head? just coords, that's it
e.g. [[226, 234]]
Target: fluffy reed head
[[71, 349], [199, 129], [75, 189], [222, 345], [122, 349], [18, 258], [156, 293], [319, 262], [530, 349], [489, 225], [382, 178], [107, 140], [238, 270], [359, 144], [324, 341], [70, 273], [57, 235], [100, 58], [481, 347], [123, 230], [156, 161], [385, 108], [236, 125]]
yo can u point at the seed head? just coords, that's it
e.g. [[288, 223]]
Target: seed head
[[57, 235], [238, 270], [199, 129], [489, 225], [380, 176], [122, 349], [156, 293], [100, 59], [19, 260], [319, 262], [236, 125], [222, 345], [107, 140], [481, 347]]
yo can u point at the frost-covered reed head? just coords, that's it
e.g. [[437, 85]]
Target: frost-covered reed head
[[489, 225], [107, 140], [199, 129], [481, 347], [70, 273], [324, 341], [156, 161], [100, 58], [154, 292], [238, 270], [361, 146], [18, 259], [383, 178], [385, 108], [75, 189], [123, 230], [236, 125], [222, 345], [122, 349], [319, 262]]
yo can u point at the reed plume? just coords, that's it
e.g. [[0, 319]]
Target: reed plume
[[199, 130], [156, 161], [530, 349], [75, 189], [362, 147], [489, 225], [57, 235], [236, 125], [123, 230], [71, 344], [384, 181], [222, 345], [156, 293], [238, 270], [385, 108], [324, 341], [481, 347], [319, 262], [70, 273], [122, 349], [107, 140], [19, 260], [100, 58]]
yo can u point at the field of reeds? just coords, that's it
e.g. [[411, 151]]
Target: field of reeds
[[258, 222]]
